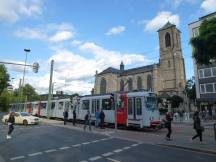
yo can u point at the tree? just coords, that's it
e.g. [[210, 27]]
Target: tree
[[205, 44], [4, 100], [4, 78], [175, 101], [190, 89]]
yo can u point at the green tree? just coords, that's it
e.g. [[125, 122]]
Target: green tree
[[204, 45], [4, 100], [4, 78], [175, 101], [190, 89]]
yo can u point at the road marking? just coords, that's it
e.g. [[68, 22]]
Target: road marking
[[107, 154], [134, 145], [64, 148], [86, 143], [95, 158], [103, 139], [77, 145], [35, 154], [18, 157], [83, 161], [51, 150], [112, 160], [95, 141], [118, 150], [126, 148]]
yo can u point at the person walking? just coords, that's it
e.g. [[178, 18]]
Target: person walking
[[168, 125], [65, 114], [197, 126], [97, 118], [87, 121], [102, 117], [74, 117], [11, 122]]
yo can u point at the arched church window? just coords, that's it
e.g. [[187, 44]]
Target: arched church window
[[130, 85], [167, 40], [103, 86], [139, 83], [149, 82], [169, 63], [122, 85]]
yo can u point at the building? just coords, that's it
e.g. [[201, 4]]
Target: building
[[205, 75], [165, 78]]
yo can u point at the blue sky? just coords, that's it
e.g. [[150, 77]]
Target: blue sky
[[83, 36]]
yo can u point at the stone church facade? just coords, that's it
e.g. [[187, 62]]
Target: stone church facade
[[165, 77]]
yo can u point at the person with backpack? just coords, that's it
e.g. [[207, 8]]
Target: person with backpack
[[87, 120], [11, 122], [65, 114], [197, 126]]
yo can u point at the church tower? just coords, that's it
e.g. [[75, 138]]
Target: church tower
[[171, 65]]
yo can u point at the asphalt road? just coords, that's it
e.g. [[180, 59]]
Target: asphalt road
[[44, 143]]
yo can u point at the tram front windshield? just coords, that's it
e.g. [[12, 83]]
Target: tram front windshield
[[151, 103]]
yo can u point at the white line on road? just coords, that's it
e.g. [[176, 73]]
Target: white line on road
[[51, 150], [86, 143], [134, 145], [112, 160], [83, 161], [77, 145], [64, 148], [35, 154], [95, 158], [118, 150], [126, 148], [18, 157], [107, 154], [95, 141]]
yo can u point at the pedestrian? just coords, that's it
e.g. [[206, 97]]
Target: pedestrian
[[65, 114], [168, 121], [87, 121], [197, 126], [97, 118], [74, 117], [11, 122], [102, 117]]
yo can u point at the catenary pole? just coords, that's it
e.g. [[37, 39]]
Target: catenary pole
[[50, 89]]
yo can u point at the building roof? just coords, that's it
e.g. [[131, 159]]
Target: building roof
[[137, 70], [110, 70], [167, 25]]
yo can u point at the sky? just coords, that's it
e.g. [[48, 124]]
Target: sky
[[83, 36]]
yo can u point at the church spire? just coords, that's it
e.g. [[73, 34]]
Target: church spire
[[121, 66]]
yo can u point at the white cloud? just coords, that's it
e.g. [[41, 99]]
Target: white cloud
[[61, 36], [51, 32], [161, 19], [12, 11], [209, 5], [76, 42], [116, 30]]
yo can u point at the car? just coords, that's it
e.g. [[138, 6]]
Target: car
[[22, 118]]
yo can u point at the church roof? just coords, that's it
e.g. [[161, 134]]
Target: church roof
[[167, 25], [109, 70], [137, 70]]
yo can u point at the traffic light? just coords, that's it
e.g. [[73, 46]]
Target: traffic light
[[35, 67]]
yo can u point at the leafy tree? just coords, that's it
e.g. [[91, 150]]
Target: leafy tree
[[4, 100], [4, 78], [205, 44], [175, 101], [190, 89]]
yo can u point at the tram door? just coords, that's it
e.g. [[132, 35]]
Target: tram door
[[134, 108], [95, 106]]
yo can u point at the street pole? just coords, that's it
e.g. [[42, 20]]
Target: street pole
[[50, 90], [115, 104]]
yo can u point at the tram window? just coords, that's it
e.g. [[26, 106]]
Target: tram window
[[95, 106], [130, 106], [85, 104], [106, 104], [151, 103], [139, 106], [67, 105], [43, 105], [53, 105], [60, 105]]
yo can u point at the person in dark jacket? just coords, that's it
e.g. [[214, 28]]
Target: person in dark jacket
[[197, 126], [74, 117], [87, 120], [168, 125], [65, 114], [102, 117], [11, 122]]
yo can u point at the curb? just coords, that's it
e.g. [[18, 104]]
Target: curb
[[190, 149]]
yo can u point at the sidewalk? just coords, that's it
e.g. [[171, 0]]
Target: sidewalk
[[180, 140]]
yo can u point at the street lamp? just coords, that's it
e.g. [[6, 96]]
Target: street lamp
[[26, 51]]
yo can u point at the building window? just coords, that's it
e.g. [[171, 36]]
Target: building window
[[122, 85], [139, 82], [167, 40], [130, 85], [177, 39], [209, 88], [201, 74], [103, 86], [214, 71], [207, 72], [195, 32], [202, 88], [169, 63], [149, 82]]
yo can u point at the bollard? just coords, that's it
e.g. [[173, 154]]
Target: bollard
[[215, 130]]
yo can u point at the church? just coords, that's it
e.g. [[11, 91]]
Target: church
[[164, 78]]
